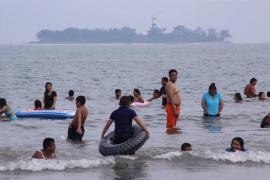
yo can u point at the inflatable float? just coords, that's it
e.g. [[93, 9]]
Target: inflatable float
[[46, 114], [107, 148], [138, 104]]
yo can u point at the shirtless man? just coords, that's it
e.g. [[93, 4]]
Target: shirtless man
[[76, 127], [250, 90], [173, 102]]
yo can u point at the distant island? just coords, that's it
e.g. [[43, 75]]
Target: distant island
[[179, 34]]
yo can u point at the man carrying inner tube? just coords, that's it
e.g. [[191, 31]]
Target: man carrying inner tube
[[122, 118]]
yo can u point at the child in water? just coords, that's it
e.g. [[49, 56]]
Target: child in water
[[117, 93], [262, 96], [137, 95], [70, 95], [5, 109], [38, 105], [236, 145], [238, 98], [156, 95], [48, 151], [122, 119], [186, 147]]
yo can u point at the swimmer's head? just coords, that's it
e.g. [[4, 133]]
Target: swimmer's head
[[136, 92], [38, 104], [48, 86], [212, 89], [164, 81], [237, 144], [266, 121], [71, 93], [3, 102], [253, 81], [156, 93], [80, 101], [173, 75], [131, 98], [262, 96], [186, 147], [117, 93], [238, 97], [49, 145], [124, 101]]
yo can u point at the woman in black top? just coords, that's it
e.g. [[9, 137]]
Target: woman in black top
[[50, 96]]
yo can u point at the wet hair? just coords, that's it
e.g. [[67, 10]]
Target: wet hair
[[124, 101], [238, 96], [81, 100], [172, 71], [165, 79], [252, 80], [212, 86], [184, 146], [241, 141], [47, 142], [137, 91], [156, 91], [131, 98], [71, 93], [3, 102], [37, 104], [47, 83], [264, 122], [260, 94], [268, 93], [117, 91]]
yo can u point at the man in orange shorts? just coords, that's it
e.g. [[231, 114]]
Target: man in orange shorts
[[173, 102]]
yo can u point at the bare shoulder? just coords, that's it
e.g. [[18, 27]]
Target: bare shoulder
[[168, 85], [37, 155]]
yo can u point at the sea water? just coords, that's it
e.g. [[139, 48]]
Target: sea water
[[95, 71]]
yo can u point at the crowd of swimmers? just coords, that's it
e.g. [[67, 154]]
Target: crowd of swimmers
[[212, 104]]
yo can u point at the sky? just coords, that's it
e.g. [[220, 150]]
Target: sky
[[247, 20]]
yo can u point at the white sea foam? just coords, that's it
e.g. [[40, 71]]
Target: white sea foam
[[57, 165], [250, 156]]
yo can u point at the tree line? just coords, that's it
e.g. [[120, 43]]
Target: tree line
[[179, 34]]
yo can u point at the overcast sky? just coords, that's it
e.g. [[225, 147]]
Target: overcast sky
[[247, 20]]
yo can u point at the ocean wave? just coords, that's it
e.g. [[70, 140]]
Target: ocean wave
[[250, 156], [57, 165]]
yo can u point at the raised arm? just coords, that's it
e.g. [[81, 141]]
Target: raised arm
[[106, 127], [140, 123]]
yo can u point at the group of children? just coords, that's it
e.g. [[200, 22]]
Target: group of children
[[250, 92], [49, 147]]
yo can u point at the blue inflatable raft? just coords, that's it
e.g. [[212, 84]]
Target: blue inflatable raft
[[46, 114]]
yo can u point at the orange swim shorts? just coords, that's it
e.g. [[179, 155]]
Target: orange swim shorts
[[171, 120]]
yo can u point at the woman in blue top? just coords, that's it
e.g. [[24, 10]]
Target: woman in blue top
[[212, 102]]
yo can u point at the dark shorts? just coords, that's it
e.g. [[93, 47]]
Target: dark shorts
[[73, 135], [117, 139], [209, 115]]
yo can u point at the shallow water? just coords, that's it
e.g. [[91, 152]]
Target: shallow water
[[96, 70]]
